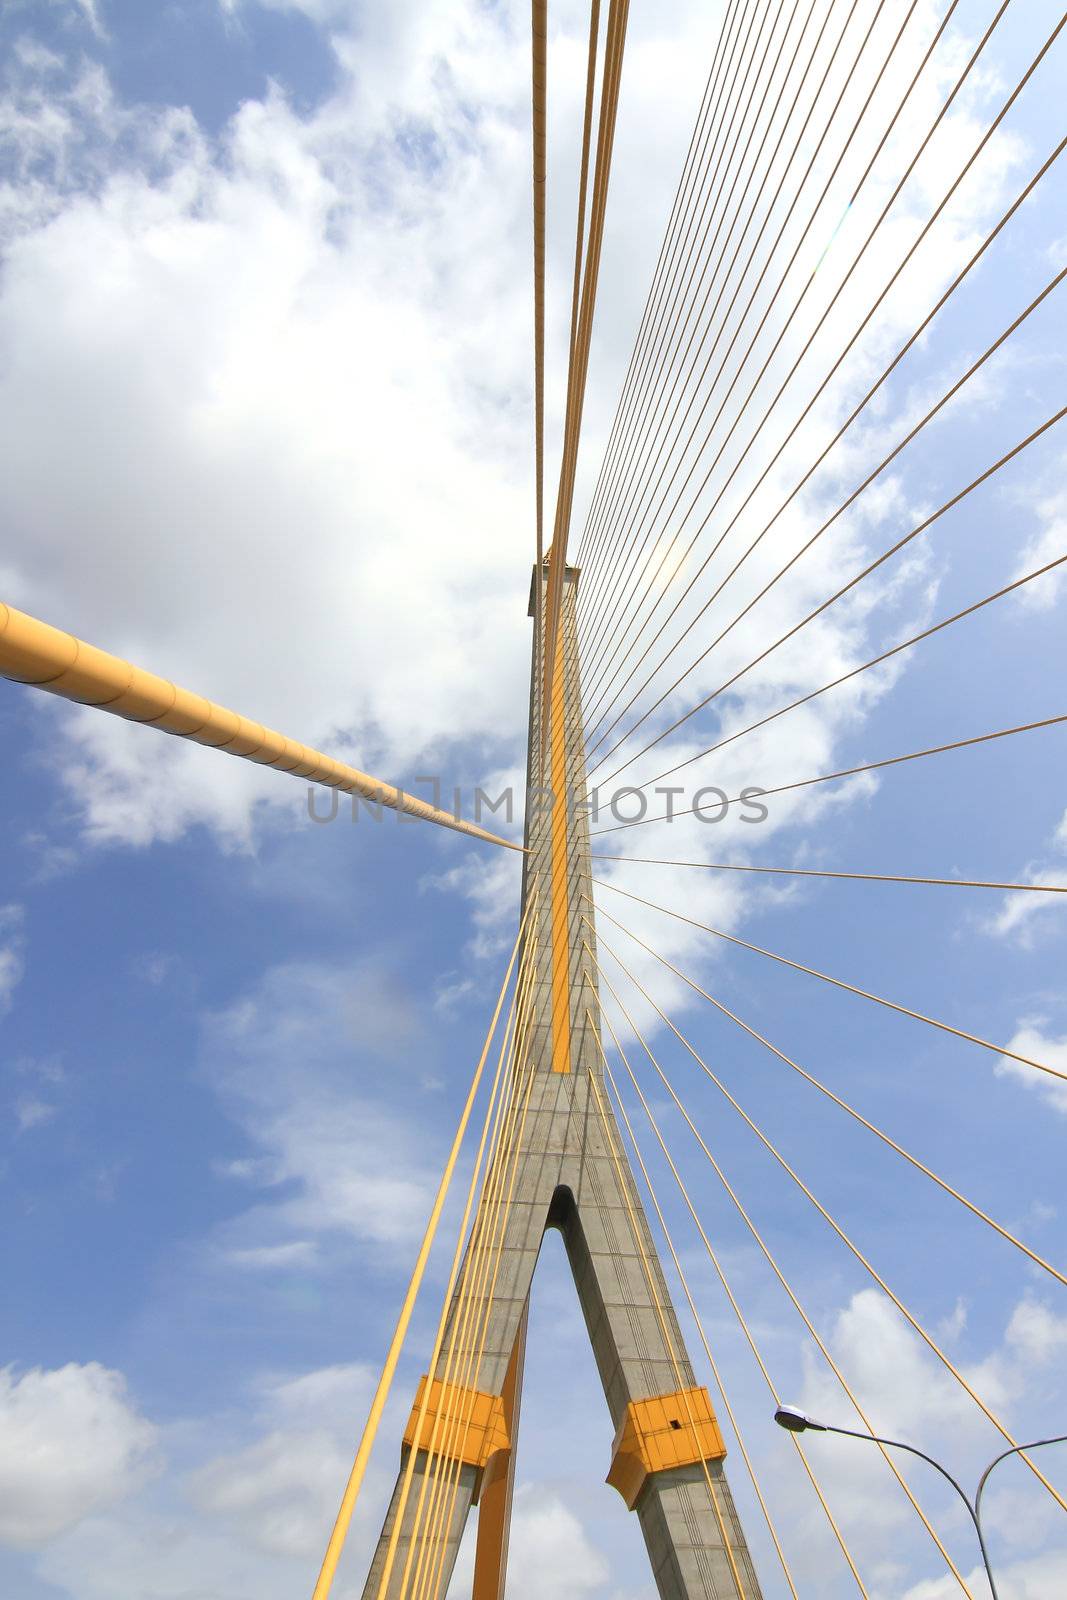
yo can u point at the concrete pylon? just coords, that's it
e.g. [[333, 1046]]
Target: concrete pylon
[[572, 1173]]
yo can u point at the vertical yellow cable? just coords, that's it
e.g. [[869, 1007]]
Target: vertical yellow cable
[[437, 1545], [459, 1322], [381, 1393], [854, 1249], [490, 1252], [772, 1530], [653, 1290], [561, 943], [494, 1111], [781, 1279]]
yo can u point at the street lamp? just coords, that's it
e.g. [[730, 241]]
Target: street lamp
[[796, 1421]]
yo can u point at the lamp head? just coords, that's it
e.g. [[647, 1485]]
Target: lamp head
[[796, 1421]]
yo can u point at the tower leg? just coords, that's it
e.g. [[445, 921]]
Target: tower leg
[[684, 1542], [465, 1491]]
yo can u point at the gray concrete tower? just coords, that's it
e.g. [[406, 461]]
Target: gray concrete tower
[[572, 1173]]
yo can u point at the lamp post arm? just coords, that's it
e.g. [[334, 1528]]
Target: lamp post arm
[[972, 1511], [1016, 1449]]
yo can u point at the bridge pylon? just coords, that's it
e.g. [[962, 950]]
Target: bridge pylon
[[569, 1171]]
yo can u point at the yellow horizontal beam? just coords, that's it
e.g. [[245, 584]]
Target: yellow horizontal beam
[[668, 1430], [472, 1422], [35, 653]]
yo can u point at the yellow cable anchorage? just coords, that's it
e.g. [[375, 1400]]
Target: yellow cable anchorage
[[44, 657]]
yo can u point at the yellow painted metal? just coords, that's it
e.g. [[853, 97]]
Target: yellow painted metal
[[658, 1434], [484, 1435], [560, 899], [35, 653], [498, 1483]]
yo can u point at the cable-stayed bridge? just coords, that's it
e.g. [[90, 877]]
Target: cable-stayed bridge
[[655, 634]]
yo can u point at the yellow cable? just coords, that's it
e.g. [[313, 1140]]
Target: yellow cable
[[492, 1117], [871, 1127], [789, 1291], [381, 1394], [471, 1373], [653, 1289], [471, 1286], [579, 363], [927, 1339], [451, 1321], [756, 1351], [463, 1422], [772, 1530], [811, 872], [436, 1468], [838, 983], [44, 657]]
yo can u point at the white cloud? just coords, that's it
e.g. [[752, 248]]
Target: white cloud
[[275, 1257], [71, 1443], [1035, 1334], [12, 963], [294, 1061], [250, 1515], [1019, 911], [909, 1395], [335, 403], [1036, 1579], [550, 1556], [31, 1112], [279, 1493], [337, 400], [1048, 543], [1029, 1040]]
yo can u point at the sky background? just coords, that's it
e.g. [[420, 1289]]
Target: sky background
[[265, 380]]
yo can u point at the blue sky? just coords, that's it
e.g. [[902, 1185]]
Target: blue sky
[[265, 378]]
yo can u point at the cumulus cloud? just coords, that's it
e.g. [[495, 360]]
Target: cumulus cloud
[[1048, 544], [550, 1556], [279, 377], [1031, 1040], [1016, 1580], [12, 945], [280, 1493], [293, 1060], [1021, 916], [909, 1395], [71, 1443], [250, 1513], [280, 383]]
